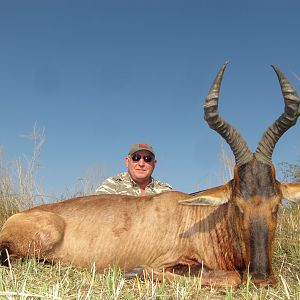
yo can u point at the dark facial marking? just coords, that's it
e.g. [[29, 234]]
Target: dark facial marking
[[259, 238], [256, 179]]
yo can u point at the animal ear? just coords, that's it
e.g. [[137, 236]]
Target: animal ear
[[212, 197], [291, 192]]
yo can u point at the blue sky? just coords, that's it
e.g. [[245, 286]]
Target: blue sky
[[101, 75]]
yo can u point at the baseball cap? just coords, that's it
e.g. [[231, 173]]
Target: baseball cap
[[137, 147]]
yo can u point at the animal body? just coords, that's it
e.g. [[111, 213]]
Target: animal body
[[222, 233]]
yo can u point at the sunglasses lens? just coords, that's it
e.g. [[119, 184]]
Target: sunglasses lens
[[147, 158], [137, 157]]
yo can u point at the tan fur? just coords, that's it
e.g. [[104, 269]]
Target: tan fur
[[154, 231]]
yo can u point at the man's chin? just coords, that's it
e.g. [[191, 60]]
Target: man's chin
[[140, 176]]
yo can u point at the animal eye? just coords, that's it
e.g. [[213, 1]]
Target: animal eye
[[240, 209], [275, 209]]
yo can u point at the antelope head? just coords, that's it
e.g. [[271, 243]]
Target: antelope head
[[254, 193]]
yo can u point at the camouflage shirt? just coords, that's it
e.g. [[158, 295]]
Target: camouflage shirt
[[123, 184]]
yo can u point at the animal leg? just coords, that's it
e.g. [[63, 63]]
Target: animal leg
[[135, 272], [221, 278], [216, 278]]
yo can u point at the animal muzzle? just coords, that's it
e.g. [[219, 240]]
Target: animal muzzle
[[260, 263]]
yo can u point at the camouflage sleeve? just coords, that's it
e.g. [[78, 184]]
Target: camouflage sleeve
[[165, 188], [168, 187], [161, 187], [108, 186]]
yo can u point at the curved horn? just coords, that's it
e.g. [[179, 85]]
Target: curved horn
[[237, 144], [288, 119]]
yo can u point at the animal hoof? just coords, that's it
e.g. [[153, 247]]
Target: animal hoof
[[135, 272]]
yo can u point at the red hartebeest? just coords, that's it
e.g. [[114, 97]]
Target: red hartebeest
[[223, 231]]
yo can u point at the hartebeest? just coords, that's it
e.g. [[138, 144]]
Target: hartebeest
[[224, 231]]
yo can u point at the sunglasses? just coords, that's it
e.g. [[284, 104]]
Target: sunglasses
[[146, 158]]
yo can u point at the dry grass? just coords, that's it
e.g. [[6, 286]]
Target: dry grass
[[18, 188]]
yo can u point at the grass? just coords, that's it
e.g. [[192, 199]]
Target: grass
[[29, 279], [18, 184]]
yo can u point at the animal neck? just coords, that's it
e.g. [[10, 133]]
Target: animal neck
[[216, 225], [225, 235], [234, 237]]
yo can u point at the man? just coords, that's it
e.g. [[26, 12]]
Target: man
[[138, 181]]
